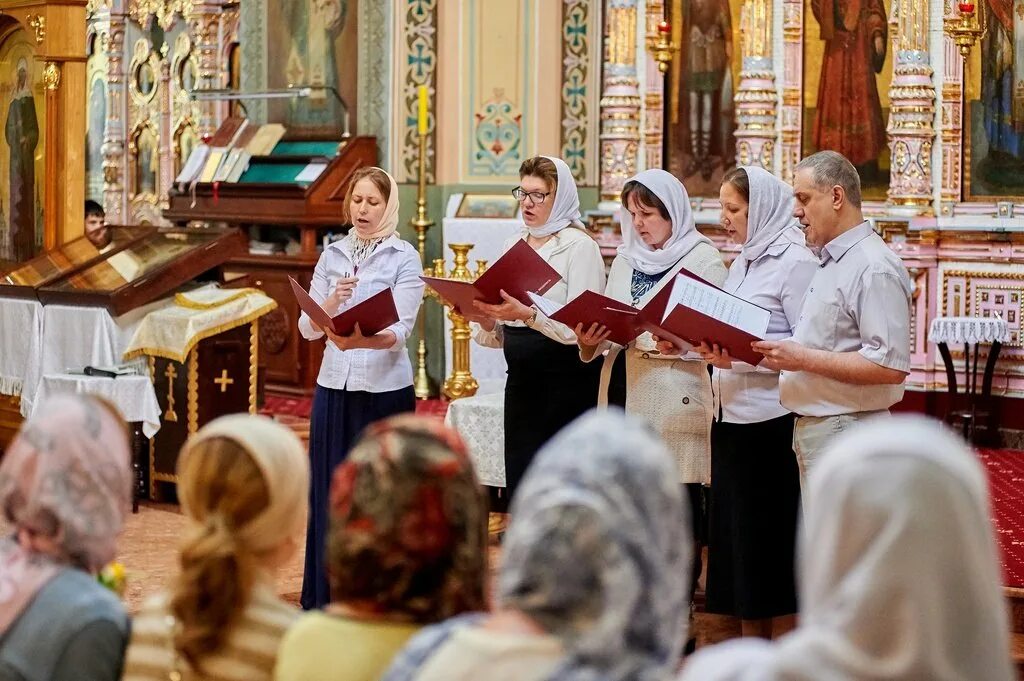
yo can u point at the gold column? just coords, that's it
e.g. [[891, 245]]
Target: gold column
[[755, 97], [792, 85], [620, 100], [911, 130]]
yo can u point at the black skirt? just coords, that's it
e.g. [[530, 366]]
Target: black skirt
[[754, 511], [548, 386]]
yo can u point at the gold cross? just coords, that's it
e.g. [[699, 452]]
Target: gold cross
[[224, 381], [171, 374]]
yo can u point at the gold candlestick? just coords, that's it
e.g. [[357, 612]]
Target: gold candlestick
[[461, 383], [423, 385]]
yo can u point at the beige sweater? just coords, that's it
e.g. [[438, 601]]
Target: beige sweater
[[248, 655]]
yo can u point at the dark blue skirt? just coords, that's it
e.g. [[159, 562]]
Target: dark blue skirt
[[338, 418]]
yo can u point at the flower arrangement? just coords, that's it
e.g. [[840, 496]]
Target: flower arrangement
[[114, 577]]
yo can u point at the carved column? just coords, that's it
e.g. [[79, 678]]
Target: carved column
[[952, 117], [204, 25], [620, 100], [755, 97], [115, 198], [654, 93], [165, 176], [911, 132], [792, 84]]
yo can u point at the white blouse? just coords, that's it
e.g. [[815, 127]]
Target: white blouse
[[395, 264], [577, 258]]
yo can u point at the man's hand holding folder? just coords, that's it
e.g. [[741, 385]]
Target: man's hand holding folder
[[359, 322], [519, 272]]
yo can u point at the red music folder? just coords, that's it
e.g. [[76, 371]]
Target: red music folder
[[373, 315], [694, 310], [621, 320], [519, 272]]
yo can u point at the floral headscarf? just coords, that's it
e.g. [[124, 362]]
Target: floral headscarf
[[598, 551], [66, 479], [408, 530]]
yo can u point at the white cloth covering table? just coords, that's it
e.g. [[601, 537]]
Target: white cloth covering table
[[480, 421], [21, 334], [132, 395]]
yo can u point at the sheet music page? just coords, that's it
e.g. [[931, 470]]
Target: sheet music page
[[718, 304], [547, 306]]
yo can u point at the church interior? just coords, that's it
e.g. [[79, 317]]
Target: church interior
[[171, 170]]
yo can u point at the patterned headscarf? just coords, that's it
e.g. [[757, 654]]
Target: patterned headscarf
[[408, 533], [65, 479], [599, 550]]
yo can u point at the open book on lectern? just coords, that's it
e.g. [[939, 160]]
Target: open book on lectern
[[519, 272], [696, 310], [373, 315]]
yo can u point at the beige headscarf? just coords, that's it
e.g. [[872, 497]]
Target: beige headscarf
[[279, 455], [65, 478], [389, 221]]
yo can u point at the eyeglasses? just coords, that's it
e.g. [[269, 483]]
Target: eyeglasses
[[537, 197]]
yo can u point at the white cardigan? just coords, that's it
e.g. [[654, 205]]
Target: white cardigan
[[673, 394]]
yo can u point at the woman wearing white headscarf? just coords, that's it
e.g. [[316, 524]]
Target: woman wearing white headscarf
[[899, 578], [540, 352], [755, 491], [594, 572], [362, 379], [65, 485], [673, 394]]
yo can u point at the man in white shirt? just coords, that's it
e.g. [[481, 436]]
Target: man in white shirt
[[850, 350]]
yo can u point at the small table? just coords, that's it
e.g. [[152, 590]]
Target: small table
[[970, 331], [480, 421]]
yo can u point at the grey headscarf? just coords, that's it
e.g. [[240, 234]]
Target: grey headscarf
[[599, 550]]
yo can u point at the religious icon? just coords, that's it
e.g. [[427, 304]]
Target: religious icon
[[145, 80], [849, 117], [700, 142], [187, 79], [146, 162], [94, 135], [21, 131], [996, 113]]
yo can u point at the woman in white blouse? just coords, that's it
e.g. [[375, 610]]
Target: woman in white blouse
[[362, 378], [899, 575], [755, 490], [671, 393], [547, 385]]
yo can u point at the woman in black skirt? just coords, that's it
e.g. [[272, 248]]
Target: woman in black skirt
[[547, 386], [755, 484], [362, 378]]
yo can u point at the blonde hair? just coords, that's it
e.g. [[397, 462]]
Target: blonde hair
[[222, 488]]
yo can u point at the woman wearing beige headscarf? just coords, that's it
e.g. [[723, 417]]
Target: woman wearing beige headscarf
[[362, 379], [898, 569], [242, 482], [65, 484]]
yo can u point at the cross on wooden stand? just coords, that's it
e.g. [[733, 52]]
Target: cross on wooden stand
[[224, 381], [171, 374]]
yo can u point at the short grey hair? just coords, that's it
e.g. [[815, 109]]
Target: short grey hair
[[830, 168]]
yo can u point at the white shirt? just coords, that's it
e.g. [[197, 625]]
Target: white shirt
[[858, 301], [776, 281], [395, 264], [577, 258]]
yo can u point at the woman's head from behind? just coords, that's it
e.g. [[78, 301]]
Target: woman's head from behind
[[408, 535], [598, 549], [243, 482], [65, 481], [735, 198], [651, 219]]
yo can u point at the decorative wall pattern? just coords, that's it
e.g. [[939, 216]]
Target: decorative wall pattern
[[374, 104], [418, 65], [578, 35], [497, 141]]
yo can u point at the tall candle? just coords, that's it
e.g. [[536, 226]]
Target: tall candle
[[421, 119]]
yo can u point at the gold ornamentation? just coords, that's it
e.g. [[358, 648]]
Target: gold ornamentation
[[163, 10], [423, 386], [51, 76], [37, 23], [224, 380], [193, 392], [254, 352], [968, 27], [170, 415]]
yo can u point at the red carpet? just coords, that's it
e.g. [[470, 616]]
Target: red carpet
[[1006, 485]]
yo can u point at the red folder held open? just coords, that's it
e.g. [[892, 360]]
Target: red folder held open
[[373, 315], [621, 320], [519, 272]]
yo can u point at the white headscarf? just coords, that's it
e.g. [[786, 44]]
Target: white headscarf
[[389, 221], [566, 210], [769, 219], [898, 567], [684, 237]]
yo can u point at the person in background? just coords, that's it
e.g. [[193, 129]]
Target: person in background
[[96, 230], [755, 490], [242, 483], [594, 570], [65, 486], [362, 379], [547, 385], [407, 547], [850, 351], [671, 393], [899, 577]]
